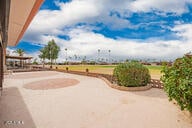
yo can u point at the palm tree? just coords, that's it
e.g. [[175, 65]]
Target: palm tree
[[75, 56], [70, 58], [20, 52], [99, 54], [79, 58], [66, 54], [109, 55]]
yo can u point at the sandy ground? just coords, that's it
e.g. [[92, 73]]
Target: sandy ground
[[88, 104], [51, 84]]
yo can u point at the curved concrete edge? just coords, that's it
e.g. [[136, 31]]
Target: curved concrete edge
[[123, 88]]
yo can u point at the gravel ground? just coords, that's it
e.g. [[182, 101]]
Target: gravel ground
[[90, 103]]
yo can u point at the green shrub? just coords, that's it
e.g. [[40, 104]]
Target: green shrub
[[131, 74], [177, 81]]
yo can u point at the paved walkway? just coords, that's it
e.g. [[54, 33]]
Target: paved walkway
[[88, 104]]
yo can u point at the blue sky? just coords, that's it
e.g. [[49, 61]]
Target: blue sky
[[129, 28]]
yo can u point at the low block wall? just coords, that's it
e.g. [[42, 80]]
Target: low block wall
[[109, 80]]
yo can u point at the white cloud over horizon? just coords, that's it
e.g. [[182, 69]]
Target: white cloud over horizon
[[83, 41], [86, 43]]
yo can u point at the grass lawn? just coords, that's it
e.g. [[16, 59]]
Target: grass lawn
[[155, 71]]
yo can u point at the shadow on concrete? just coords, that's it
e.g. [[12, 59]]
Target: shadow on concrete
[[153, 92], [13, 108]]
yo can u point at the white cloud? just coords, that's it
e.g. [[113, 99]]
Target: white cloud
[[49, 24], [91, 11], [52, 22], [76, 11], [174, 6], [184, 31], [125, 47], [86, 43]]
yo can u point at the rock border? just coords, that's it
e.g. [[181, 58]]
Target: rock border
[[154, 83], [123, 88]]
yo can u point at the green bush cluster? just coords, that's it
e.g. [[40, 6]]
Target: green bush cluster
[[131, 74], [177, 81]]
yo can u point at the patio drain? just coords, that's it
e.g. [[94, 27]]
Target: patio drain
[[51, 84]]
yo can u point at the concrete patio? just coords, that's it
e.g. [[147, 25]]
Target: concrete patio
[[89, 103]]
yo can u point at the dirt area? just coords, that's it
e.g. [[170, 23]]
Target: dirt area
[[51, 84], [89, 104]]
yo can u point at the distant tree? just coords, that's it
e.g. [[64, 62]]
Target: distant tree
[[84, 60], [50, 52], [70, 57], [53, 51], [43, 55], [20, 52], [109, 55], [66, 54], [98, 54], [127, 60], [35, 61], [92, 62], [75, 56]]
